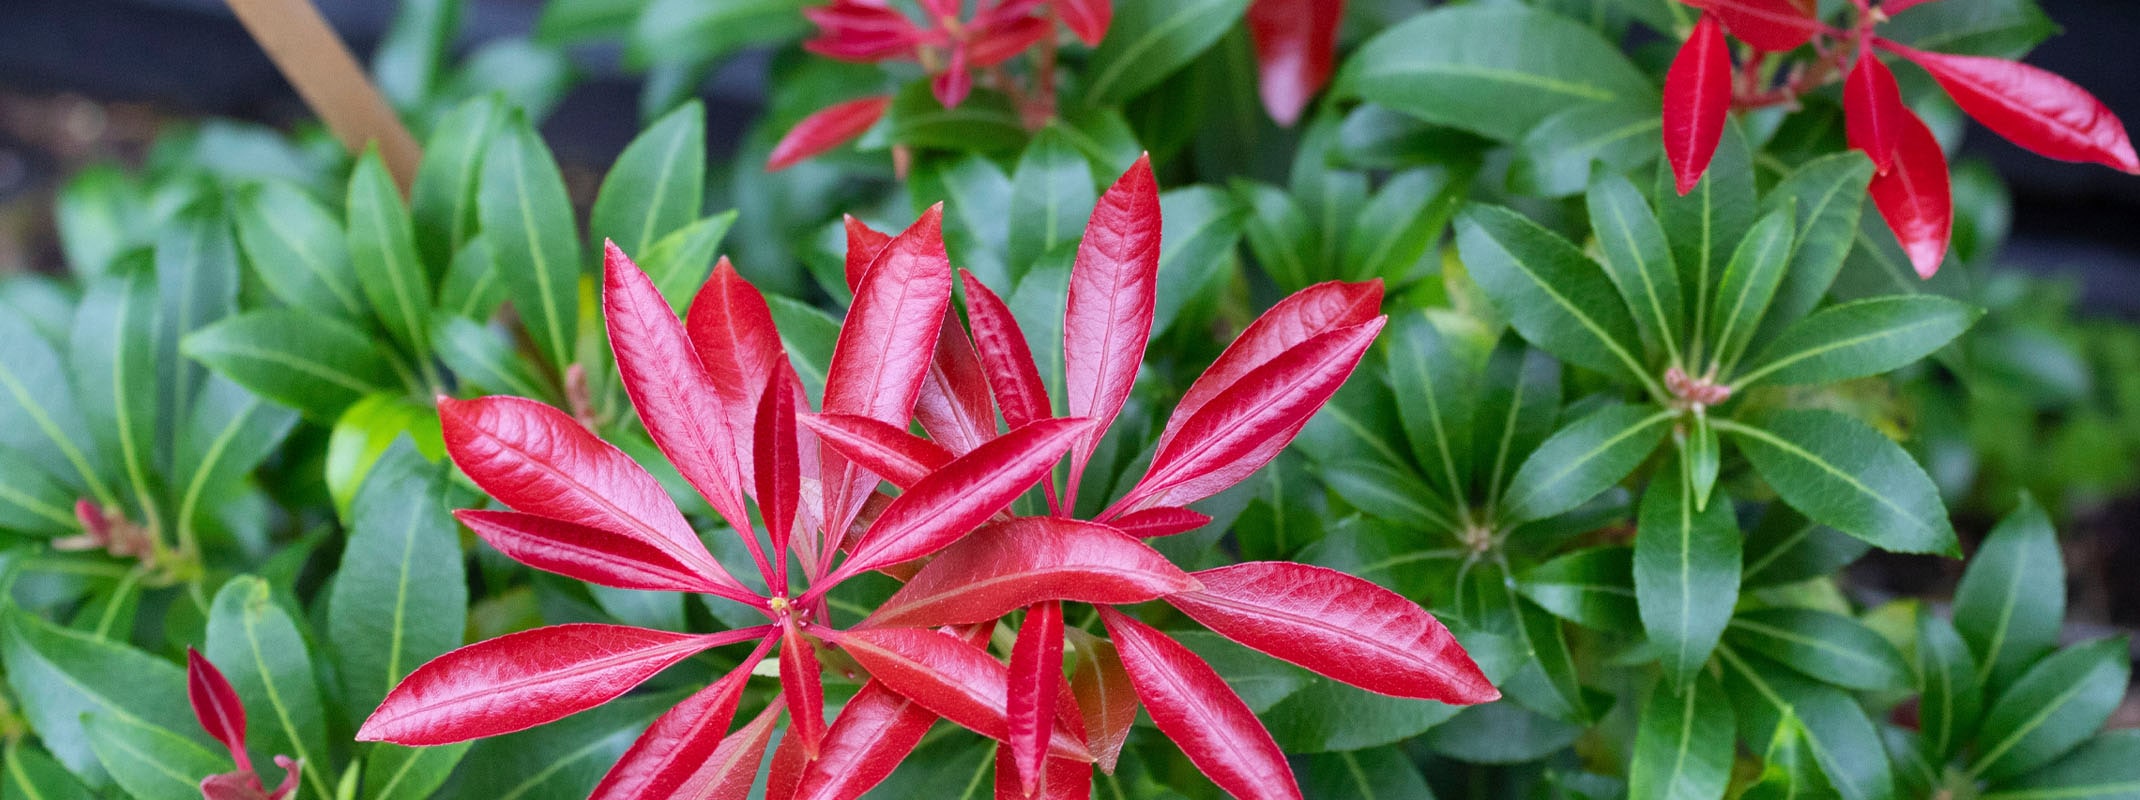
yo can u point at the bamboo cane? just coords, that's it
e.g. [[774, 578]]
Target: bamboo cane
[[316, 62]]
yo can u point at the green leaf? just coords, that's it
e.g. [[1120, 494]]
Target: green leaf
[[1998, 28], [99, 214], [393, 772], [1389, 492], [113, 358], [1686, 574], [1554, 159], [39, 418], [1554, 295], [1592, 587], [1392, 233], [400, 598], [197, 283], [1951, 699], [1280, 235], [1829, 195], [1707, 222], [2106, 768], [258, 647], [407, 62], [1200, 227], [695, 31], [298, 250], [149, 762], [32, 775], [1496, 70], [1683, 741], [1860, 338], [2012, 598], [1326, 716], [1703, 459], [657, 184], [1749, 283], [1547, 680], [1583, 459], [1051, 195], [472, 288], [1843, 474], [308, 362], [364, 432], [382, 246], [1149, 39], [1639, 261], [483, 357], [33, 502], [564, 21], [1519, 401], [559, 761], [1261, 681], [1788, 769], [1836, 732], [2052, 708], [1500, 733], [679, 262], [528, 75], [985, 123], [1785, 547], [1824, 646], [1382, 773], [976, 232], [527, 220], [442, 199], [232, 431], [1433, 378], [58, 676]]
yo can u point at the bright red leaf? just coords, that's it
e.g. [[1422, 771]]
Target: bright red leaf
[[1697, 102], [1296, 40], [1193, 706], [730, 771], [875, 731], [861, 30], [828, 128], [1916, 197], [731, 329], [863, 245], [779, 468], [1302, 315], [1873, 111], [1064, 780], [892, 453], [1152, 523], [1338, 625], [801, 682], [662, 760], [1035, 671], [1005, 356], [1087, 19], [583, 553], [2031, 107], [948, 676], [954, 406], [217, 706], [1114, 286], [1771, 25], [1013, 564]]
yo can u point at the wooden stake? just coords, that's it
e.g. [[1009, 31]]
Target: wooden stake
[[320, 67]]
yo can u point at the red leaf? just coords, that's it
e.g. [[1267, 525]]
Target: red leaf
[[1113, 288], [1065, 780], [1246, 425], [948, 676], [802, 683], [583, 553], [779, 468], [2032, 107], [1295, 41], [829, 127], [892, 453], [521, 680], [957, 498], [1152, 523], [954, 406], [1299, 317], [539, 460], [1035, 672], [875, 731], [662, 760], [955, 81], [217, 706], [861, 30], [1104, 697], [1005, 356], [1192, 705], [1697, 101], [1873, 110], [1086, 18], [884, 348], [1338, 625], [1009, 565], [675, 398], [1916, 198], [863, 245], [732, 330], [1002, 39], [728, 773], [1771, 25]]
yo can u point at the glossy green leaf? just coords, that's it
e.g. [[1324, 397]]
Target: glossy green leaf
[[298, 250], [1280, 235], [112, 356], [58, 676], [1554, 295], [1788, 769], [2012, 598], [1860, 338], [1824, 646], [1519, 401], [1051, 196], [442, 199], [1593, 587], [1686, 573], [1829, 196], [400, 598], [1998, 28], [1638, 260], [1836, 732], [1843, 474], [1683, 741], [258, 648], [393, 772], [1382, 773], [1708, 222], [149, 762], [1951, 696], [231, 432], [2052, 708], [657, 184], [527, 220], [2106, 768], [30, 774], [1433, 376], [692, 31], [1749, 283], [1555, 158], [986, 122], [679, 262], [1785, 547], [1200, 227], [1394, 231], [1583, 459], [1150, 39], [1496, 70], [308, 362], [1388, 492], [483, 357], [382, 247], [472, 288]]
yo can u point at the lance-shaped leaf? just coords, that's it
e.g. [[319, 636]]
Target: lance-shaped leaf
[[1152, 523], [2011, 601], [1014, 564], [825, 129], [954, 406], [1830, 195], [1873, 110], [802, 683], [1638, 259], [662, 760], [2052, 708], [582, 553], [527, 220], [298, 250], [1843, 474], [1686, 573], [271, 667], [957, 498], [538, 460], [1950, 694], [1771, 25], [1436, 376], [216, 705], [670, 389], [732, 769], [1683, 742], [382, 249], [2029, 106], [863, 245], [1086, 18], [1036, 673], [2108, 766], [731, 327], [1113, 288], [1770, 701], [875, 731], [1916, 197], [1063, 780], [1302, 315], [1825, 646], [1583, 459], [891, 452], [1193, 706], [1245, 426], [1295, 42], [1860, 338], [1749, 283], [951, 677], [402, 552], [1697, 100], [1006, 358], [1554, 295], [656, 185], [522, 680], [778, 458], [112, 355]]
